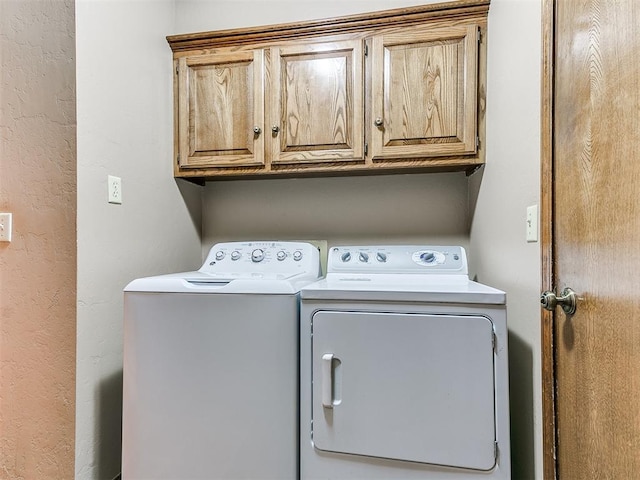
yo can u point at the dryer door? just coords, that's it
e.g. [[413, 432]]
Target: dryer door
[[405, 386]]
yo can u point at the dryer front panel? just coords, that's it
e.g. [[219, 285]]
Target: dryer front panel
[[410, 387]]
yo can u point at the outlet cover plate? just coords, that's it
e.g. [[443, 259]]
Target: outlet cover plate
[[115, 189]]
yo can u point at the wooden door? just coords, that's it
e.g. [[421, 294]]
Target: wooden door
[[316, 106], [424, 91], [593, 114], [221, 110]]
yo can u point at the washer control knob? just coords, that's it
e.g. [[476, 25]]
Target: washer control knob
[[235, 255], [428, 257], [345, 257], [363, 257], [281, 255], [220, 255], [381, 257], [297, 255], [257, 255]]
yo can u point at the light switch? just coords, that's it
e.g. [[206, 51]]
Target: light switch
[[532, 223], [5, 227]]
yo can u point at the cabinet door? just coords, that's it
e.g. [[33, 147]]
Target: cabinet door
[[316, 103], [221, 110], [424, 90]]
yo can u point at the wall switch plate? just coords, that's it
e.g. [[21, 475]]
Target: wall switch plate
[[532, 223], [115, 189], [5, 227]]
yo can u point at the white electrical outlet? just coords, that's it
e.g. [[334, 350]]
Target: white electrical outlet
[[532, 223], [115, 189], [5, 227]]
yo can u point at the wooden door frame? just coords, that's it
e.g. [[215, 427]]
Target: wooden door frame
[[549, 436]]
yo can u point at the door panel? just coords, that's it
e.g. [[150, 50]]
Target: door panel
[[424, 92], [220, 105], [405, 386], [317, 102], [596, 236]]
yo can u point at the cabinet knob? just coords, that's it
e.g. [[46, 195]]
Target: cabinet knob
[[257, 130], [378, 122], [275, 129]]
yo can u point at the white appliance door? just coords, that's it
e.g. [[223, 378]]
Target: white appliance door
[[410, 387]]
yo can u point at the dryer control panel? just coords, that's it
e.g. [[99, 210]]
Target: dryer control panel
[[260, 257], [395, 259]]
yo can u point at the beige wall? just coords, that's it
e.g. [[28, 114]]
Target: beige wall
[[392, 209], [499, 197], [125, 115], [38, 268]]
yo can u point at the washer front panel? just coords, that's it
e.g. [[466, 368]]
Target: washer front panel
[[405, 386]]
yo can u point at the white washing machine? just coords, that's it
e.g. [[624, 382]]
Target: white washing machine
[[211, 366], [403, 368]]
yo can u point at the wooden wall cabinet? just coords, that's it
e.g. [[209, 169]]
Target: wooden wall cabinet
[[220, 109], [392, 91], [316, 103], [424, 92]]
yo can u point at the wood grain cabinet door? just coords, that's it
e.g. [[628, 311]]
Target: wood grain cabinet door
[[221, 110], [316, 102], [424, 92]]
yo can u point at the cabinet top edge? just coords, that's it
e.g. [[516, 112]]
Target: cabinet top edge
[[330, 26]]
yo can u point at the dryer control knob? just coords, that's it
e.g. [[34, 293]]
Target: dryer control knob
[[381, 257], [297, 255], [428, 257], [257, 255], [220, 255], [345, 257], [281, 255], [235, 255], [363, 257]]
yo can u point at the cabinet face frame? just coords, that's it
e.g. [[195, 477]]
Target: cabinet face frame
[[231, 104], [442, 56], [316, 102]]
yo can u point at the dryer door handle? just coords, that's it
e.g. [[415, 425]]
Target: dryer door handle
[[327, 380]]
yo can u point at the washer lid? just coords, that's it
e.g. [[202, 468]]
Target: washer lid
[[196, 282]]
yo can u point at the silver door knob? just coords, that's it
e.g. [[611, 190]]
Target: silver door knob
[[257, 130], [275, 129], [378, 122], [567, 299]]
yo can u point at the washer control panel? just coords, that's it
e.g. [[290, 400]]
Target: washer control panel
[[254, 258], [416, 259]]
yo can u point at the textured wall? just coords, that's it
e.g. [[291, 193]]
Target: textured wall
[[125, 128], [38, 269]]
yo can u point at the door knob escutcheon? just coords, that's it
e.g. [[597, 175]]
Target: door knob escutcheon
[[567, 299]]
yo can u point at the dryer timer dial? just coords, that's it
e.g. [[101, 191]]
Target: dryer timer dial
[[429, 258]]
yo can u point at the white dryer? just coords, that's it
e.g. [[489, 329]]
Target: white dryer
[[211, 366], [403, 368]]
